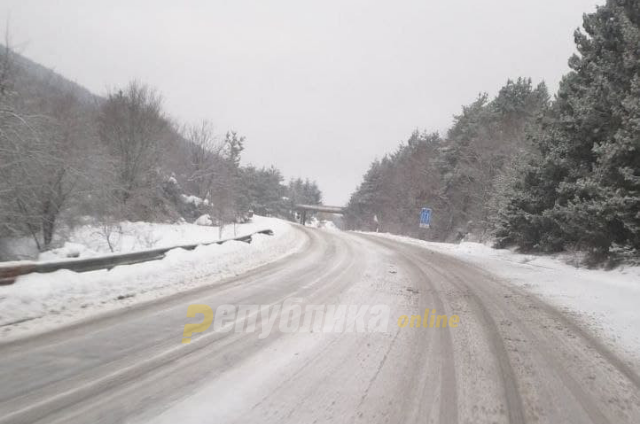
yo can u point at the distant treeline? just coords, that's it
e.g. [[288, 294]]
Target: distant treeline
[[68, 156], [527, 171]]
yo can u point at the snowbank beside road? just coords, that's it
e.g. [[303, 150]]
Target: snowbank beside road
[[91, 240], [38, 302], [608, 302], [325, 224]]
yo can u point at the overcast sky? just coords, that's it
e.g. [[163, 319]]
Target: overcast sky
[[319, 88]]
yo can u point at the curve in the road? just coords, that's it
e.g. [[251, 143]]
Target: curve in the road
[[513, 358]]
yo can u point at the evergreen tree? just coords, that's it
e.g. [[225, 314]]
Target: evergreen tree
[[583, 189], [265, 190], [456, 177], [363, 209]]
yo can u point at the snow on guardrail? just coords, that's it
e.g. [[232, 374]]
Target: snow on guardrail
[[11, 270]]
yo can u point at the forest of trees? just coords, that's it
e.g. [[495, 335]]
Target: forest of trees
[[526, 170], [67, 156], [522, 168]]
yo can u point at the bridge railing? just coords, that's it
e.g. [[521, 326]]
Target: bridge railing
[[303, 209]]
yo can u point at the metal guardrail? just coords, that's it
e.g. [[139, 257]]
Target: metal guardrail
[[12, 270]]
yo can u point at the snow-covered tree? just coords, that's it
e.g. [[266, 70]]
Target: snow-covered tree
[[582, 189]]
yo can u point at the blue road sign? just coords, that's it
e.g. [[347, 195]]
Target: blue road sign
[[425, 218]]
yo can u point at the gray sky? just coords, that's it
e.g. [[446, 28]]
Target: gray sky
[[319, 88]]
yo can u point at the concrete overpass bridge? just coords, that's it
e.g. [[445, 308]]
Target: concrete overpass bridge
[[303, 209]]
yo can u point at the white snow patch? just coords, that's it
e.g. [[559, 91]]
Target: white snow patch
[[39, 302], [69, 250], [194, 200], [608, 302], [312, 222], [329, 225], [204, 220], [324, 223], [93, 240]]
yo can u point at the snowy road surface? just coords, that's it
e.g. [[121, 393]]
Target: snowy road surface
[[512, 358]]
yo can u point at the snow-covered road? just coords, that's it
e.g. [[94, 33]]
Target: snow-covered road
[[512, 358], [606, 302]]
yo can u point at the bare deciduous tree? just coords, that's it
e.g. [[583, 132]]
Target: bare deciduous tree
[[133, 127], [205, 157]]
